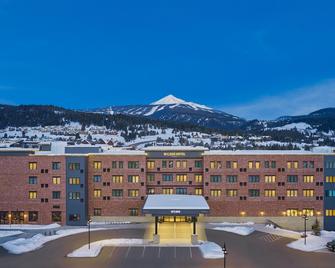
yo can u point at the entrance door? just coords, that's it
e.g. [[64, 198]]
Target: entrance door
[[175, 219]]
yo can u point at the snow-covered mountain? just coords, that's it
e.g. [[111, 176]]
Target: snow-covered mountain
[[171, 108]]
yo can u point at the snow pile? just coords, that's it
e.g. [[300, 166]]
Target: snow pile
[[270, 228], [313, 243], [301, 127], [211, 250], [96, 247], [240, 230], [29, 226], [109, 222], [9, 233], [22, 245], [233, 223]]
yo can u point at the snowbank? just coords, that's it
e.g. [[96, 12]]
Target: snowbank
[[96, 247], [278, 231], [109, 222], [9, 233], [313, 243], [22, 245], [233, 223], [29, 226], [211, 250], [240, 230]]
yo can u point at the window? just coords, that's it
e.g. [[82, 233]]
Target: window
[[32, 165], [215, 164], [273, 164], [133, 178], [212, 164], [228, 164], [181, 190], [96, 211], [114, 164], [150, 164], [292, 178], [74, 195], [167, 177], [231, 192], [56, 216], [292, 212], [330, 212], [56, 195], [257, 165], [270, 193], [330, 164], [292, 164], [133, 193], [308, 178], [250, 164], [56, 165], [133, 164], [198, 191], [215, 192], [234, 164], [164, 164], [96, 178], [32, 216], [32, 180], [117, 179], [270, 178], [253, 178], [151, 191], [254, 192], [150, 177], [55, 180], [167, 190], [181, 177], [198, 164], [75, 181], [74, 217], [308, 212], [330, 179], [308, 192], [231, 178], [133, 211], [330, 193], [198, 177], [117, 192], [215, 178], [170, 164], [74, 166], [267, 164], [97, 165], [308, 164], [97, 193], [181, 164], [292, 193], [120, 164], [32, 194]]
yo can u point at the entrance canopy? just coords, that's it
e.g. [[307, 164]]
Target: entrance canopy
[[174, 205]]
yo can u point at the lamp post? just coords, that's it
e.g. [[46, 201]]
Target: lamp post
[[225, 253], [89, 233], [305, 227]]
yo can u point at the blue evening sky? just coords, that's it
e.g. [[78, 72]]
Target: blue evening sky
[[251, 58]]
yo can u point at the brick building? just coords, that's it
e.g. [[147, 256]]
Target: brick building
[[41, 187]]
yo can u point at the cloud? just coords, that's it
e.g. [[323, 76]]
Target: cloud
[[296, 102]]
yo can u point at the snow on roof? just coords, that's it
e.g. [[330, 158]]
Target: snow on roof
[[175, 148], [262, 152], [174, 201], [120, 152]]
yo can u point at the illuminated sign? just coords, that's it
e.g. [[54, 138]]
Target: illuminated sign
[[174, 154], [175, 211]]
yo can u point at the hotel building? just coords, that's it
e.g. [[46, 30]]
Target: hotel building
[[85, 182]]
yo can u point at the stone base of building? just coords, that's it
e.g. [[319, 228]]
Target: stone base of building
[[156, 239], [194, 239]]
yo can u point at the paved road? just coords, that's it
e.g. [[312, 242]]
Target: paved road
[[257, 250]]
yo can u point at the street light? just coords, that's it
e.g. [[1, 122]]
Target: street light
[[305, 227], [225, 253], [89, 233]]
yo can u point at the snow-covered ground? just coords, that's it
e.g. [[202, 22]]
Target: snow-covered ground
[[240, 230], [9, 233], [232, 223], [22, 245], [313, 243], [96, 247], [28, 226], [109, 222], [211, 250]]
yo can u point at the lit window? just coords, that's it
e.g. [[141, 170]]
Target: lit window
[[151, 191], [133, 178], [231, 192], [308, 212], [32, 194], [234, 164], [97, 212], [55, 180], [97, 193], [292, 212], [291, 193], [330, 179], [167, 190], [133, 211], [97, 165], [330, 212], [308, 178], [198, 177], [270, 193], [215, 192], [117, 179], [74, 166], [250, 164], [257, 165], [198, 191], [181, 178], [75, 181], [270, 178], [133, 193], [150, 164], [308, 192], [32, 165], [212, 165]]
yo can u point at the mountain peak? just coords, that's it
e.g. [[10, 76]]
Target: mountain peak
[[169, 99]]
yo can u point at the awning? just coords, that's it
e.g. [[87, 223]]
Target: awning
[[183, 205]]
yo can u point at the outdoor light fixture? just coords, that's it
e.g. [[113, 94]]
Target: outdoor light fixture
[[89, 233], [305, 227], [242, 213], [284, 213], [225, 253], [262, 213]]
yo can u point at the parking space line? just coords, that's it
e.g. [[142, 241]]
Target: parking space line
[[190, 252], [143, 252], [127, 253], [159, 252], [175, 252], [113, 249]]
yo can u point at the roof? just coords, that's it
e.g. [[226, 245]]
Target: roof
[[175, 202], [263, 152], [175, 148]]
